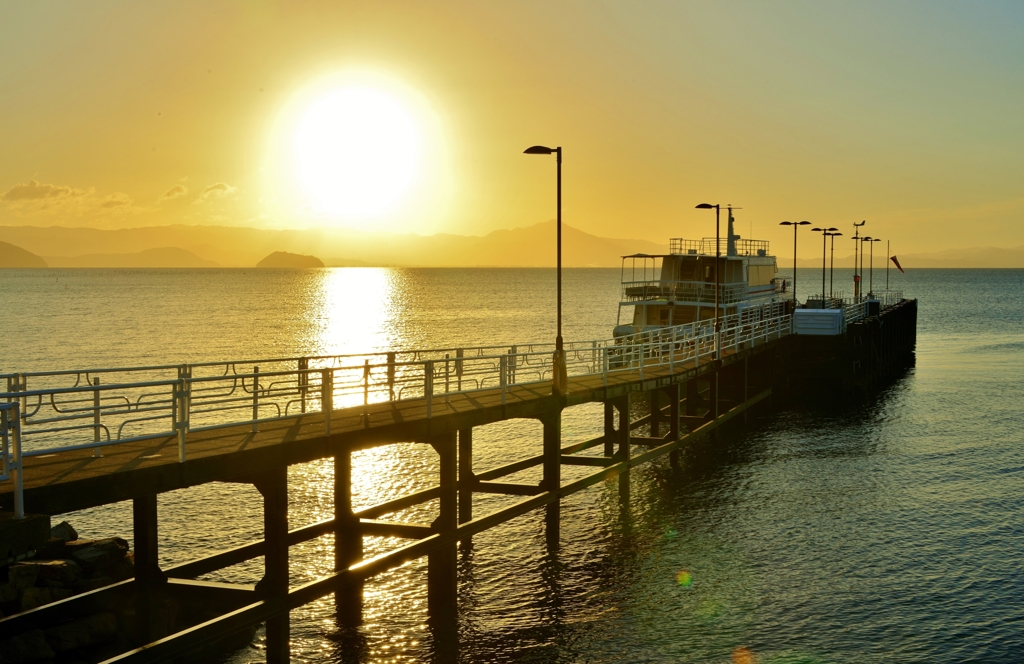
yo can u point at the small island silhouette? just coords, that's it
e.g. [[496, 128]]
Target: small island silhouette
[[285, 259]]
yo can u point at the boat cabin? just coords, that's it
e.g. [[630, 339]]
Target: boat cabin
[[664, 290]]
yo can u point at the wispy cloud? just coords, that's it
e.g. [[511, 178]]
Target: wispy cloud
[[117, 202], [215, 191], [36, 191], [177, 191], [34, 197]]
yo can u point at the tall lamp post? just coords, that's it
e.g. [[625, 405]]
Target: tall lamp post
[[856, 247], [871, 278], [718, 259], [560, 378], [794, 224], [824, 235], [866, 238], [832, 261]]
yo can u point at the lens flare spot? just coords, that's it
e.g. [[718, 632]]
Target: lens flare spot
[[743, 655], [684, 579]]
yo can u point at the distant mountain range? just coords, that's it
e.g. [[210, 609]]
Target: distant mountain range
[[156, 257], [228, 246], [205, 246]]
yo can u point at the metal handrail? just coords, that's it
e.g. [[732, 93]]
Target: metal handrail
[[88, 414]]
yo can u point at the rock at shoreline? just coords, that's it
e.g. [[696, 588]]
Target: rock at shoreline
[[285, 259], [64, 531], [102, 556]]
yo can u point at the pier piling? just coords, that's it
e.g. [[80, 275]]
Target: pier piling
[[273, 485], [348, 542]]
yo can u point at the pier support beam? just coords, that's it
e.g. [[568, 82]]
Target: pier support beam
[[714, 378], [274, 586], [466, 477], [348, 542], [149, 580], [442, 580], [655, 397], [552, 478], [610, 435], [621, 453], [673, 421]]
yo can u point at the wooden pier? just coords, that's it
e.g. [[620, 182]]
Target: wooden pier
[[685, 397], [687, 387]]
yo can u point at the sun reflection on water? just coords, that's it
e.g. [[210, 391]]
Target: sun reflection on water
[[354, 309]]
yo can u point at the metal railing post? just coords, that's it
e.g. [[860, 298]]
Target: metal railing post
[[327, 397], [96, 436], [255, 399], [366, 382], [458, 367], [512, 364], [503, 377], [447, 374], [303, 381], [180, 417], [605, 363], [672, 353], [19, 488], [391, 376], [428, 386]]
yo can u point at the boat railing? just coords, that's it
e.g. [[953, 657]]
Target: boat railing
[[706, 247], [683, 291]]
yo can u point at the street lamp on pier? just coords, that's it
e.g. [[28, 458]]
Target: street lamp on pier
[[559, 378], [794, 224], [824, 234], [866, 238], [856, 247], [871, 272], [718, 260], [832, 261]]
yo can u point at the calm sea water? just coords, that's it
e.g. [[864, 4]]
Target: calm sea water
[[888, 530]]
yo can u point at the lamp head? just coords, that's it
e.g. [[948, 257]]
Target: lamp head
[[803, 223], [538, 149], [706, 206], [816, 229]]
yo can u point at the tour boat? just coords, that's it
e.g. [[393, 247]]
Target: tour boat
[[677, 288]]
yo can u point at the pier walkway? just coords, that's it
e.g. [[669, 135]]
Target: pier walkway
[[75, 439]]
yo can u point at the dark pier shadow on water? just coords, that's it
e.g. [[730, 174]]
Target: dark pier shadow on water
[[662, 509]]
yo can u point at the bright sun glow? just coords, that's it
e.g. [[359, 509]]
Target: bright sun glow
[[357, 151]]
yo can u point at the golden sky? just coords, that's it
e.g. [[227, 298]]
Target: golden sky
[[909, 115]]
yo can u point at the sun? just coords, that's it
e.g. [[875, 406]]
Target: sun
[[357, 152]]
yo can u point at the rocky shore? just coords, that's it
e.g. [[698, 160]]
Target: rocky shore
[[65, 566]]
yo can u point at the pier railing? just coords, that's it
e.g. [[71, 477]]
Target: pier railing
[[59, 411]]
